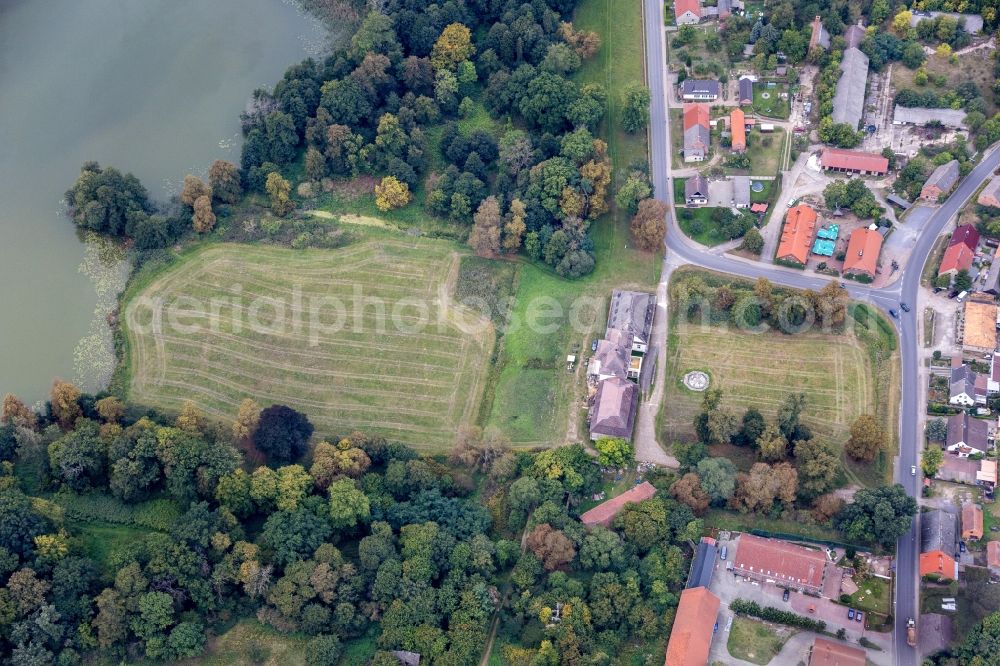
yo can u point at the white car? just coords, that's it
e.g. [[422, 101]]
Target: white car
[[913, 470]]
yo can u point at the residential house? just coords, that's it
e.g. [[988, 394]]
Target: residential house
[[971, 23], [746, 94], [972, 522], [862, 252], [854, 161], [613, 412], [920, 115], [849, 97], [967, 435], [725, 9], [632, 312], [962, 387], [898, 201], [612, 358], [956, 258], [694, 625], [687, 12], [940, 182], [980, 327], [797, 234], [781, 562], [697, 134], [700, 90], [966, 234], [741, 191], [938, 545], [407, 658], [993, 557], [696, 191], [738, 131], [819, 36], [990, 196], [835, 653], [703, 565], [604, 513]]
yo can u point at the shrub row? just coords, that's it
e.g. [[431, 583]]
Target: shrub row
[[157, 514], [771, 614]]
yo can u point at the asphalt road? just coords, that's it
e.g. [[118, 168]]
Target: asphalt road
[[905, 290]]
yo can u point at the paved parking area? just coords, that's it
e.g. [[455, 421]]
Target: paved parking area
[[720, 193]]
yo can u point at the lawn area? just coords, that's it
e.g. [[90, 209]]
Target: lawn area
[[702, 57], [360, 338], [756, 642], [700, 226], [765, 194], [768, 101], [250, 642], [765, 151], [835, 371], [106, 543], [975, 598], [530, 396], [722, 519]]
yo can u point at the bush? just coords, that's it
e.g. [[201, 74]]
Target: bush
[[158, 514]]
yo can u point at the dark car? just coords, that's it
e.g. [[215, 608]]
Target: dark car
[[860, 616], [894, 314], [850, 613], [904, 307], [784, 595], [593, 346], [961, 546]]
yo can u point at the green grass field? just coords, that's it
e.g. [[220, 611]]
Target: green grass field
[[835, 371], [701, 227], [250, 642], [755, 641], [414, 377]]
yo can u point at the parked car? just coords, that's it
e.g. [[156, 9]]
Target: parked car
[[961, 546], [859, 616], [725, 552], [593, 346], [784, 595], [894, 314], [850, 613], [913, 470]]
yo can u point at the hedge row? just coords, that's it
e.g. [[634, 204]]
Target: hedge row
[[771, 614], [157, 514]]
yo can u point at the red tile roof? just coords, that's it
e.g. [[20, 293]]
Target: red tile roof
[[780, 560], [862, 251], [604, 513], [681, 6], [853, 160], [829, 653], [737, 122], [695, 114], [937, 562], [957, 257], [993, 554], [972, 521], [694, 623], [966, 234], [797, 234]]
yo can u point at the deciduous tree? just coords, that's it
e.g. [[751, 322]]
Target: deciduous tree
[[247, 418], [513, 231], [635, 107], [867, 438], [193, 189], [64, 398], [688, 490], [224, 179], [649, 225], [282, 433], [452, 47], [818, 463], [551, 546], [16, 412], [279, 190], [391, 193], [203, 218], [931, 461], [614, 452], [485, 236]]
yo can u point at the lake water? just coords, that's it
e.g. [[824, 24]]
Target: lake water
[[150, 86]]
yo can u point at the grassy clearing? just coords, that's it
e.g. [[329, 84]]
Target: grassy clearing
[[765, 194], [976, 65], [722, 519], [701, 227], [531, 397], [755, 641], [835, 371], [362, 337], [933, 261], [106, 543], [250, 642], [701, 55], [765, 151]]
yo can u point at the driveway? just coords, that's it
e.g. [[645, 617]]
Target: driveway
[[720, 193]]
